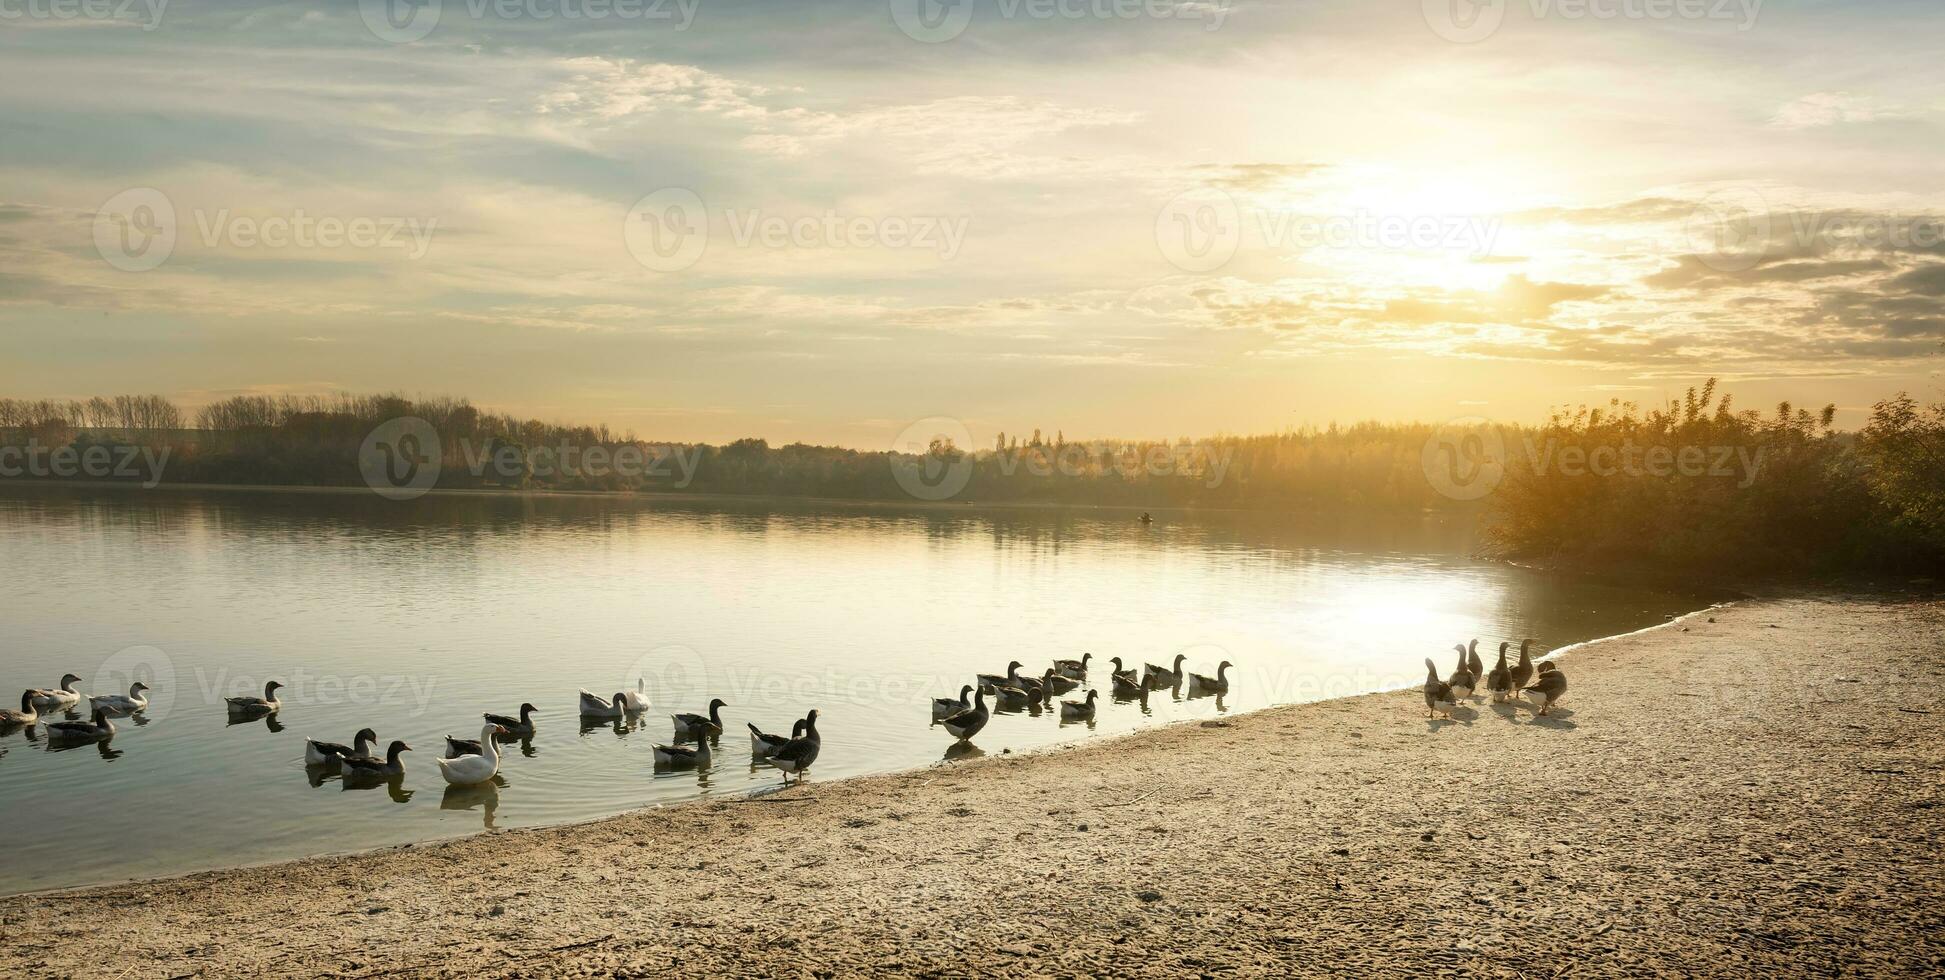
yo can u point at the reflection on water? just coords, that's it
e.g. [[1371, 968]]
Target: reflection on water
[[416, 618]]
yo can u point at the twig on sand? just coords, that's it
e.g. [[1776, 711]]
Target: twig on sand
[[781, 799], [1134, 801], [1914, 711], [583, 945], [1882, 772]]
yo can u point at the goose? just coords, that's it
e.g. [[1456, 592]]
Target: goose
[[1159, 677], [1220, 682], [95, 729], [1462, 679], [1079, 709], [1549, 688], [135, 700], [268, 702], [1118, 671], [1126, 685], [596, 706], [988, 682], [1029, 687], [1472, 660], [1500, 681], [696, 726], [673, 756], [1523, 671], [1437, 692], [388, 766], [1058, 683], [1074, 669], [523, 725], [947, 707], [64, 696], [318, 753], [763, 745], [637, 699], [456, 747], [966, 724], [472, 770], [27, 715], [797, 755]]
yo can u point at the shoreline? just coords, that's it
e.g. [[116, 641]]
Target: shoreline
[[1123, 819], [1024, 755]]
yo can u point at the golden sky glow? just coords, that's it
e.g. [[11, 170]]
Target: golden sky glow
[[976, 227]]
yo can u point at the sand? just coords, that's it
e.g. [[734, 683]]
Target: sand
[[1755, 795]]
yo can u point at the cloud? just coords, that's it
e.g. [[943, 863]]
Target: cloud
[[1834, 108]]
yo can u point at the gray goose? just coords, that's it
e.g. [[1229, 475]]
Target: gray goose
[[688, 725], [682, 756], [1463, 680], [64, 696], [1077, 710], [966, 724], [1473, 662], [1216, 684], [800, 752], [1523, 671], [1126, 683], [947, 707], [269, 701], [1550, 688], [763, 744], [1500, 681], [1437, 692], [318, 753], [95, 729], [27, 715], [991, 682], [1073, 669], [355, 766], [1159, 677], [523, 725]]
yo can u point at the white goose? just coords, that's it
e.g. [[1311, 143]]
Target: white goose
[[135, 700], [64, 696], [596, 706], [636, 700], [472, 770]]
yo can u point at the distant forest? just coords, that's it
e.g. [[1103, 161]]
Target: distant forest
[[1692, 487]]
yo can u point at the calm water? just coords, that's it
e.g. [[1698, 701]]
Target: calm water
[[413, 618]]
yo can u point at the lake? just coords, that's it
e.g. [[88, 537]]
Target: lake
[[414, 617]]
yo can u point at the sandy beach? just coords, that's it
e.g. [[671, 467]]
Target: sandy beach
[[1751, 790]]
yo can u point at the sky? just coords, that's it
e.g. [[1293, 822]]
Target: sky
[[821, 220]]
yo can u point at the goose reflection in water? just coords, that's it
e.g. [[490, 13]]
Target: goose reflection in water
[[482, 796], [621, 726], [394, 785], [269, 719]]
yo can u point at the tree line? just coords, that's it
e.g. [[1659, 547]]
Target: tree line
[[1691, 486]]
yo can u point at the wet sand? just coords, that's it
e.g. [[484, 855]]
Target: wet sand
[[1756, 795]]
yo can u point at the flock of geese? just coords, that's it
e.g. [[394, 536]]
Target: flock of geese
[[1504, 683], [471, 762], [467, 762], [964, 718]]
